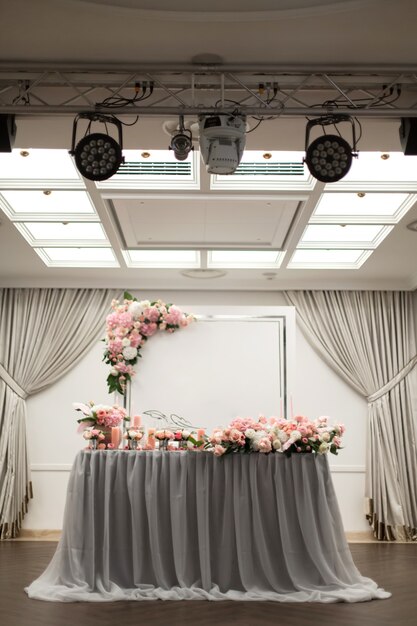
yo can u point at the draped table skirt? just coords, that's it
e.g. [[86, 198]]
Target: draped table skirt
[[190, 526]]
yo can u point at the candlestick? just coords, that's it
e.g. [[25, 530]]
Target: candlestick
[[151, 439], [136, 421], [115, 436], [200, 434]]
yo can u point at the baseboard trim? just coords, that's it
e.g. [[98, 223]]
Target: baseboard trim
[[28, 534]]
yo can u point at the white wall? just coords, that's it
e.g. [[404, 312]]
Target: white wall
[[53, 441]]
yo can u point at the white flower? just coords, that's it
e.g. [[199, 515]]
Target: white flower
[[276, 444], [125, 342], [84, 408], [190, 445], [250, 433], [282, 436], [129, 353], [114, 372], [87, 434], [323, 447], [295, 435], [325, 437], [137, 308], [185, 434]]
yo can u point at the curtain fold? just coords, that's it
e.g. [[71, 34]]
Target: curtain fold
[[43, 334], [368, 338]]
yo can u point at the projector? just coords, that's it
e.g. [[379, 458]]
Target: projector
[[222, 141]]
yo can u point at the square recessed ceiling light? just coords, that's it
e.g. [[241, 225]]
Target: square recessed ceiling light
[[366, 208], [38, 233], [328, 259], [388, 167], [356, 234], [244, 258], [162, 258], [33, 164], [34, 205], [78, 257]]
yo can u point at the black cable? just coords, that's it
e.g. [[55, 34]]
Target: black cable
[[255, 127]]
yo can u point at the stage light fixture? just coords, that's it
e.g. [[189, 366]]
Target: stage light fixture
[[97, 156], [182, 142], [329, 157]]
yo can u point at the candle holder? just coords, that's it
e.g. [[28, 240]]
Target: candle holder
[[163, 444]]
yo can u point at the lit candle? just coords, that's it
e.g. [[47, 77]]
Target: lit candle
[[136, 421], [115, 436]]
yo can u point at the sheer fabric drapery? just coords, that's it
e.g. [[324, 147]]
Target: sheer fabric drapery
[[368, 338], [43, 333], [155, 525]]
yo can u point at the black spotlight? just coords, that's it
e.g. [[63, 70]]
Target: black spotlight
[[182, 142], [97, 156], [329, 157]]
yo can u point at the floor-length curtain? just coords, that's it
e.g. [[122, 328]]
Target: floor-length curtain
[[43, 334], [368, 338]]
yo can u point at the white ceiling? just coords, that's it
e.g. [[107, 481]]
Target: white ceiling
[[321, 33]]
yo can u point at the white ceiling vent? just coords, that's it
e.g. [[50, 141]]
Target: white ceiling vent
[[203, 273]]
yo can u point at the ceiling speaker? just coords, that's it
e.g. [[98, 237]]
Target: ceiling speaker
[[7, 132], [408, 135]]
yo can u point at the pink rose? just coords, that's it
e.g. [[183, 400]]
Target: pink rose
[[219, 450]]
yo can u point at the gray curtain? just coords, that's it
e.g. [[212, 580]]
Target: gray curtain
[[368, 338], [43, 334]]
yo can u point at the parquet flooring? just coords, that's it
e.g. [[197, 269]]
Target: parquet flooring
[[393, 566]]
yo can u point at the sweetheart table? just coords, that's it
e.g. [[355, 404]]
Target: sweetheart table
[[186, 525]]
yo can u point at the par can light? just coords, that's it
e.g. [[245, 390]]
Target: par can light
[[98, 156], [329, 158]]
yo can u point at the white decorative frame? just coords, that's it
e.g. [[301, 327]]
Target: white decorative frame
[[268, 335]]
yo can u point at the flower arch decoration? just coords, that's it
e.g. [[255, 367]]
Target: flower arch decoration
[[128, 327]]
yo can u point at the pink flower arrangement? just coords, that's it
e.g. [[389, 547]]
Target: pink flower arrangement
[[134, 433], [129, 326], [93, 433], [276, 435], [101, 415]]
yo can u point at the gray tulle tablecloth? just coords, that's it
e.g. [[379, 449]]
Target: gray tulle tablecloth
[[190, 526]]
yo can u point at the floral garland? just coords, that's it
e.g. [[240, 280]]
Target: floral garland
[[277, 435], [128, 328]]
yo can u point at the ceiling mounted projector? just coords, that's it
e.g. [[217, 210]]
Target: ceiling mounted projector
[[222, 141]]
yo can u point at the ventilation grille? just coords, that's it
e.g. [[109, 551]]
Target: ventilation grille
[[184, 168], [270, 169], [136, 168]]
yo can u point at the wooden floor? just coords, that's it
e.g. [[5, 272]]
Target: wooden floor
[[393, 566]]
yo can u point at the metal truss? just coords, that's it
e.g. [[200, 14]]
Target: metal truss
[[153, 90]]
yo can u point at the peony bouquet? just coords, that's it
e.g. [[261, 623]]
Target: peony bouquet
[[128, 327], [100, 415]]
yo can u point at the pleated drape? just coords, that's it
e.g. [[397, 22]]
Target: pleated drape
[[43, 334], [368, 338], [189, 526]]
